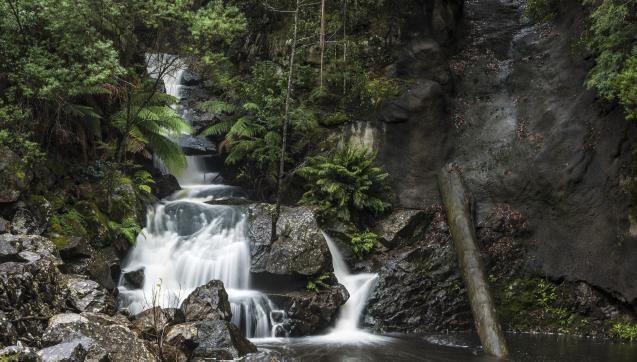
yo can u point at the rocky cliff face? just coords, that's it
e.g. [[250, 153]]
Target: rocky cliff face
[[504, 99]]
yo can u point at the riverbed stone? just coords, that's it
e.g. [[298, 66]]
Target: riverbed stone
[[218, 339], [310, 312], [88, 296], [111, 334], [19, 353], [300, 248], [207, 302]]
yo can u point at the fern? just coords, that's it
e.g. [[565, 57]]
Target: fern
[[345, 183], [318, 283], [128, 229]]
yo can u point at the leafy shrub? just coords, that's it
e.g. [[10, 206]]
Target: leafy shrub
[[625, 330], [345, 183], [613, 38], [363, 242], [320, 282]]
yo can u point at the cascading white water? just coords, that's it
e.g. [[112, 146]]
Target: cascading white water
[[359, 287], [188, 241]]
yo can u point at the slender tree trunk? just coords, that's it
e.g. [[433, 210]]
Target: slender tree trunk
[[322, 41], [286, 121], [344, 45]]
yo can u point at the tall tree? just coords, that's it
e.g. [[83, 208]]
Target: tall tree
[[322, 41], [286, 121]]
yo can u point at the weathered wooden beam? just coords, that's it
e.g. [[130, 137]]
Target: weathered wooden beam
[[457, 203]]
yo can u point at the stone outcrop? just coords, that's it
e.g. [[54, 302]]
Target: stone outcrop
[[31, 217], [30, 287], [419, 287], [300, 248], [402, 226], [153, 322]]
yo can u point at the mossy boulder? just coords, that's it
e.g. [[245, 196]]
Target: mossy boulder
[[95, 222]]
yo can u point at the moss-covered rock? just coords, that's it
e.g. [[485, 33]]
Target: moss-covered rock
[[14, 175]]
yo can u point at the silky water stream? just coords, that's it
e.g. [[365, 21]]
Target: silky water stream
[[189, 239]]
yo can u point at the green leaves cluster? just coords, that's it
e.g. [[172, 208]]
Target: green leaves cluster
[[320, 282], [613, 38], [363, 242], [252, 126], [345, 183]]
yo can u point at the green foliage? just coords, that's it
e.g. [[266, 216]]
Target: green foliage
[[143, 180], [345, 183], [29, 152], [318, 283], [625, 330], [252, 126], [363, 242], [65, 225], [146, 119], [129, 228], [613, 38]]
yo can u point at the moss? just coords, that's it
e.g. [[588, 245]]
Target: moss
[[96, 222], [63, 226]]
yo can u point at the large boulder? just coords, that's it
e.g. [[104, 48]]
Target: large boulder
[[207, 302], [300, 248], [165, 185], [309, 312], [99, 264], [86, 295], [419, 288], [30, 290], [215, 339], [97, 333], [13, 175], [31, 217]]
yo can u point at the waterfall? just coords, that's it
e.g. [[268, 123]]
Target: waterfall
[[189, 240], [359, 287]]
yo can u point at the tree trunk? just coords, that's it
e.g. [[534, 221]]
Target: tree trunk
[[286, 121], [460, 218], [322, 41]]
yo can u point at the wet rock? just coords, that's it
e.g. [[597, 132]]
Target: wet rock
[[75, 247], [193, 145], [207, 302], [5, 226], [300, 248], [88, 296], [110, 334], [165, 185], [30, 288], [134, 279], [101, 265], [190, 78], [19, 353], [419, 288], [267, 356], [152, 322], [402, 226], [13, 175], [76, 350], [310, 312], [31, 217], [217, 339]]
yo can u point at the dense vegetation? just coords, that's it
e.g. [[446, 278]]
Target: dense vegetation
[[611, 35], [81, 100]]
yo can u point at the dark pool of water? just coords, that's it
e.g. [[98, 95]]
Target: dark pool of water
[[456, 347]]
